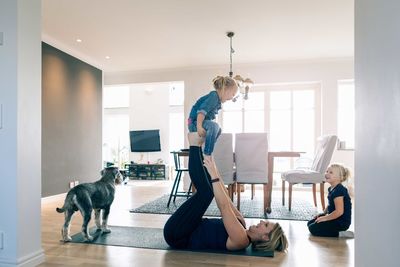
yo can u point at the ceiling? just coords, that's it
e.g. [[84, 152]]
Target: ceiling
[[160, 34]]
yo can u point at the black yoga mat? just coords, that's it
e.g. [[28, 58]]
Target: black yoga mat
[[152, 238]]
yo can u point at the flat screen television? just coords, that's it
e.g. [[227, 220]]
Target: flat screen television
[[145, 141]]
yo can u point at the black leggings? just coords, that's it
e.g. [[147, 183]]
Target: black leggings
[[326, 229], [187, 217]]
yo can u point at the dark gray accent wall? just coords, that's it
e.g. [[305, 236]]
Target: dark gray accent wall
[[71, 121]]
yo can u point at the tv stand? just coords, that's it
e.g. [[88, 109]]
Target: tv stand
[[145, 171]]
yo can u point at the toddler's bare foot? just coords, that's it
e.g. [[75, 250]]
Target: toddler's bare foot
[[195, 139]]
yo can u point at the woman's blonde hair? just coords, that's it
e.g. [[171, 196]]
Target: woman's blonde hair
[[343, 172], [220, 83], [277, 240]]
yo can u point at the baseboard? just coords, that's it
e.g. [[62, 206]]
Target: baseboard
[[30, 260], [49, 198]]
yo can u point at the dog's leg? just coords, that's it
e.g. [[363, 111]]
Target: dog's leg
[[86, 214], [84, 205], [97, 218], [104, 228], [65, 230]]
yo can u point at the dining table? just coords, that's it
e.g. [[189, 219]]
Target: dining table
[[271, 156]]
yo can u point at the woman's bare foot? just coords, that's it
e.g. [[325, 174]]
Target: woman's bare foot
[[207, 156], [195, 139]]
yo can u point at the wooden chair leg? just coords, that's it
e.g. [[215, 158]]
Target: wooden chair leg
[[314, 192], [241, 187], [322, 193], [290, 196], [238, 197], [230, 194], [189, 190], [283, 192], [193, 189], [252, 191], [265, 188], [173, 189]]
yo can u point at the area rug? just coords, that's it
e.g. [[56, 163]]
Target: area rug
[[152, 238], [302, 210]]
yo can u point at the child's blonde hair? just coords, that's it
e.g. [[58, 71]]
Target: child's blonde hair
[[220, 83], [343, 172]]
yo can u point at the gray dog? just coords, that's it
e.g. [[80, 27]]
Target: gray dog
[[87, 197]]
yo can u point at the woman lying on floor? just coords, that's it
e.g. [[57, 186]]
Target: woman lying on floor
[[187, 229]]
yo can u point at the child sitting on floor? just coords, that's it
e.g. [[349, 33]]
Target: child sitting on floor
[[337, 216]]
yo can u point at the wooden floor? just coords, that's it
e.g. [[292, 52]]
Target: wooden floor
[[304, 250]]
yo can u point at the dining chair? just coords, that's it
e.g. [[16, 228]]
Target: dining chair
[[179, 169], [315, 174], [223, 157], [251, 158]]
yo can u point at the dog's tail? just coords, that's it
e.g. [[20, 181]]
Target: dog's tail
[[60, 210], [68, 200]]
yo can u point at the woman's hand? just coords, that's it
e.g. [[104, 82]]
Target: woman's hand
[[209, 163], [201, 132]]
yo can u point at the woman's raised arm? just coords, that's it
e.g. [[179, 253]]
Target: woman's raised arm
[[237, 233]]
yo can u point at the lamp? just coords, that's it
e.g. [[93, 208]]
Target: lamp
[[244, 84]]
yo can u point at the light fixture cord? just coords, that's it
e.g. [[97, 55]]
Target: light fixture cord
[[231, 53]]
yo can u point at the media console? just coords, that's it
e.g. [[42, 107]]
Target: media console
[[145, 171]]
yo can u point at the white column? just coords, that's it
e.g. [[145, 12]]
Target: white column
[[20, 133], [377, 157]]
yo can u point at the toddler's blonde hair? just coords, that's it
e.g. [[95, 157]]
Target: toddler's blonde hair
[[220, 83], [343, 172]]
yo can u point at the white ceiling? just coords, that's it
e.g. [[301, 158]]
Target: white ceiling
[[159, 34]]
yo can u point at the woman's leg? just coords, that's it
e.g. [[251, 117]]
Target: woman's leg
[[187, 217]]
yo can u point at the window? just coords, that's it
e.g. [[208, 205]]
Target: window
[[254, 113], [244, 115], [232, 116], [293, 125], [116, 145], [289, 114], [176, 118], [346, 113]]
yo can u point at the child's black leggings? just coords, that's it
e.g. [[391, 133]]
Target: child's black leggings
[[187, 217], [326, 229]]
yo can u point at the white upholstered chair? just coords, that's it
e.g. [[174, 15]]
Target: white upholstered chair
[[251, 158], [313, 175], [223, 157]]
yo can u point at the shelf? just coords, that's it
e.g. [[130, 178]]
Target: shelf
[[145, 171]]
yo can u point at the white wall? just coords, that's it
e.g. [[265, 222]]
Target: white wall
[[149, 109], [377, 159], [20, 135]]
